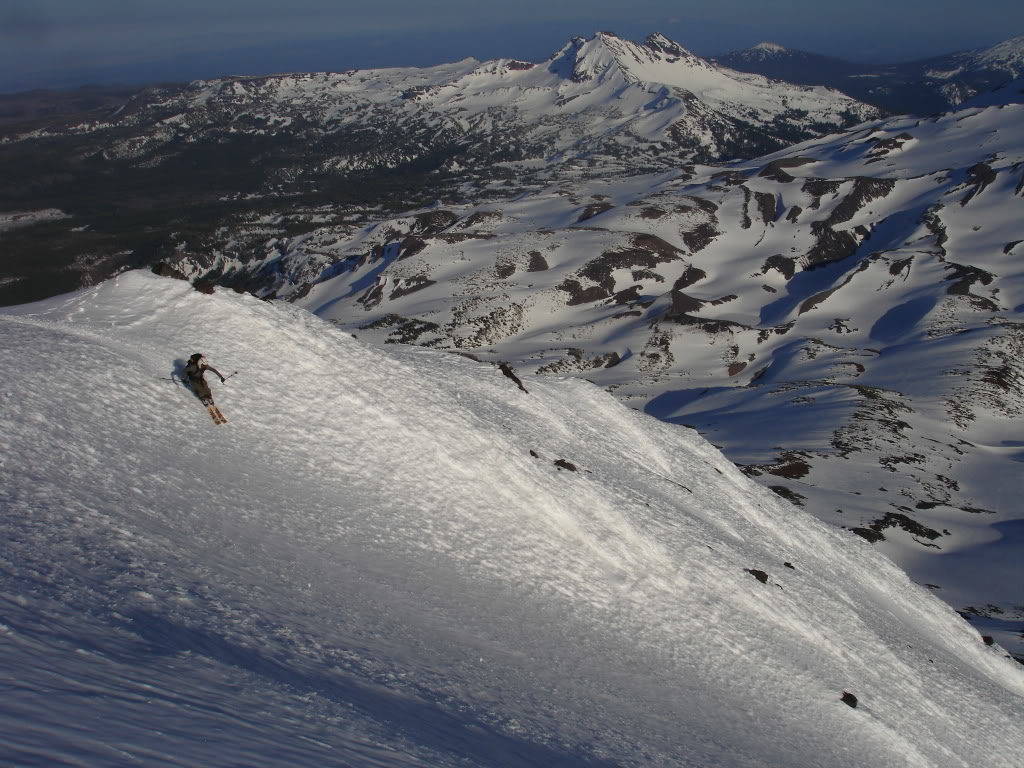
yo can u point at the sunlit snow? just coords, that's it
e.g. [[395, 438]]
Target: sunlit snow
[[377, 562]]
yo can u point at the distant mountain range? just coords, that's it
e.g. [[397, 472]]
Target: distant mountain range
[[919, 87], [174, 165]]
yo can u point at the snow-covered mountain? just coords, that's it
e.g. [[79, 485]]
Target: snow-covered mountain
[[603, 99], [842, 318], [400, 558], [200, 167], [791, 64], [1006, 57]]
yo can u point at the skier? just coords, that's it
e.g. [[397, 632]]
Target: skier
[[194, 372]]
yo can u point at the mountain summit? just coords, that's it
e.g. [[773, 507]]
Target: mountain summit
[[790, 64]]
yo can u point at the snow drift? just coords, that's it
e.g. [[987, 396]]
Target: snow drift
[[378, 562]]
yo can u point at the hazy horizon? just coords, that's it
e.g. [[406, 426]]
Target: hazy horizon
[[61, 44]]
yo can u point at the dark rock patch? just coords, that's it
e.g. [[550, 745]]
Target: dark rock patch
[[410, 246], [979, 176], [580, 295], [870, 535], [818, 188], [462, 237], [563, 464], [831, 245], [791, 465], [700, 237], [434, 221], [594, 209], [815, 300], [964, 277], [781, 264], [649, 251], [882, 148], [410, 285], [690, 276], [683, 304], [480, 217], [406, 330], [166, 270], [759, 575], [896, 520], [789, 495], [849, 699], [774, 169], [506, 369], [537, 262], [736, 369], [767, 206]]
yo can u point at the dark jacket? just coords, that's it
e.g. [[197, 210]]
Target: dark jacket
[[194, 372]]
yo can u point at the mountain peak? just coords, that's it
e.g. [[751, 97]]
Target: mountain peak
[[605, 52], [769, 47]]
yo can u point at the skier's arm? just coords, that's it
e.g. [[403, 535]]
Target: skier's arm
[[211, 368]]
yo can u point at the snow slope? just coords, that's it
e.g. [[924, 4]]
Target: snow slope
[[368, 567], [842, 318]]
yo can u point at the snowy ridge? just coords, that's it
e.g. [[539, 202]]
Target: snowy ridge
[[865, 285], [1007, 56], [368, 566]]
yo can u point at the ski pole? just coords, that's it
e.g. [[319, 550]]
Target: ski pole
[[230, 375]]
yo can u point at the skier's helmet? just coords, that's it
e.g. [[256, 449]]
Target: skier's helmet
[[195, 357]]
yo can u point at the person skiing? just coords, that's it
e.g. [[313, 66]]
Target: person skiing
[[194, 372]]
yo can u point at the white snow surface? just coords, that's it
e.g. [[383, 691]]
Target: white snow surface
[[367, 567]]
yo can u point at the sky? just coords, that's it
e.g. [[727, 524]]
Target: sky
[[67, 43]]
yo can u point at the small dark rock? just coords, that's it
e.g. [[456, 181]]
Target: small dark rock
[[789, 565], [166, 270], [534, 454], [869, 534], [759, 575], [849, 699], [507, 370], [563, 464], [987, 639]]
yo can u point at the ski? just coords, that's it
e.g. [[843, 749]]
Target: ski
[[216, 415]]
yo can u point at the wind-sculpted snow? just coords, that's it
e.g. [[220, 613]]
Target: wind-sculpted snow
[[392, 558]]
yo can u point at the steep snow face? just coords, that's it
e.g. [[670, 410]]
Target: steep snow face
[[842, 318], [368, 566]]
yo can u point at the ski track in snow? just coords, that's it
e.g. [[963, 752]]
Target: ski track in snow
[[366, 566]]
